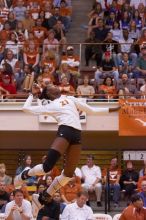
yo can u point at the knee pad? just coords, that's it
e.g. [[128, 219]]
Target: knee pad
[[52, 157]]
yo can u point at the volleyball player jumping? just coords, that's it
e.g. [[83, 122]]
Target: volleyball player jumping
[[68, 139]]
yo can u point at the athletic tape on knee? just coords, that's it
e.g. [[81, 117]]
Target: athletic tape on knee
[[52, 157], [57, 183]]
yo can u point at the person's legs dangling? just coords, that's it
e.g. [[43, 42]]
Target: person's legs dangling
[[72, 159]]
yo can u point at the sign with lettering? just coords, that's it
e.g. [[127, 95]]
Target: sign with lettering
[[132, 117]]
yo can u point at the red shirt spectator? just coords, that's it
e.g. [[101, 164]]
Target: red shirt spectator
[[7, 85]]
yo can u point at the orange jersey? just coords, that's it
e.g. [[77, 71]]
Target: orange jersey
[[108, 90], [31, 57], [70, 191], [113, 174], [64, 11], [51, 64], [40, 33], [66, 89], [132, 213]]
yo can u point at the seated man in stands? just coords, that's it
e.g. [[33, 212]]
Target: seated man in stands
[[129, 179], [78, 209], [143, 192], [135, 210], [93, 51], [70, 190], [92, 178], [125, 65], [72, 60], [127, 45], [107, 68], [126, 87], [114, 178], [19, 208], [86, 90], [141, 64]]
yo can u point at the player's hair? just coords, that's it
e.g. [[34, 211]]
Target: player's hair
[[44, 94]]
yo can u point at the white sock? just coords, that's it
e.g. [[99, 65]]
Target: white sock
[[57, 183], [36, 170]]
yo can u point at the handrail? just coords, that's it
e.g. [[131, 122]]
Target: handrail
[[22, 97]]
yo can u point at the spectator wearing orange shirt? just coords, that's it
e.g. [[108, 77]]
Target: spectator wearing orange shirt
[[49, 60], [39, 31], [47, 76], [114, 178], [70, 190], [31, 57], [107, 89], [65, 87], [4, 33], [135, 210]]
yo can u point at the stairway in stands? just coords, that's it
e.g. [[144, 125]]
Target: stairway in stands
[[77, 34]]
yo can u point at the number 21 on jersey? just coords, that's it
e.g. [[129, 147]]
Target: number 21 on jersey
[[64, 102]]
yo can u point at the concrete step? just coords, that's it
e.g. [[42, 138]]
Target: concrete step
[[80, 10]]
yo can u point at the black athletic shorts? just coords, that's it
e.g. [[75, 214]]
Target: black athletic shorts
[[72, 135]]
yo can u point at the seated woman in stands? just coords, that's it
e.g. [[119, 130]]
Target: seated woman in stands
[[48, 59], [4, 179], [107, 89], [65, 87], [27, 162], [86, 90], [64, 71], [31, 57]]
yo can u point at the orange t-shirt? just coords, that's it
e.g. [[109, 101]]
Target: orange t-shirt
[[131, 213], [109, 90], [65, 11], [70, 191], [113, 174], [66, 89], [31, 57], [51, 64]]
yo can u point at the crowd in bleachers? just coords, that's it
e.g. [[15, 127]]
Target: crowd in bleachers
[[76, 197], [116, 38]]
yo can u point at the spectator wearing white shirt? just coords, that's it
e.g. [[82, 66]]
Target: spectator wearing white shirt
[[19, 208], [92, 178], [127, 46], [78, 210]]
